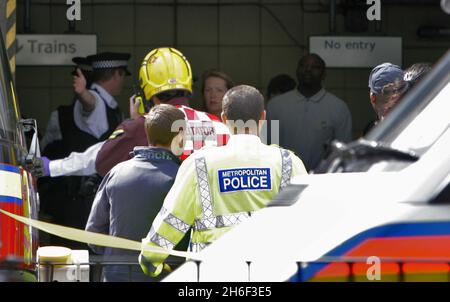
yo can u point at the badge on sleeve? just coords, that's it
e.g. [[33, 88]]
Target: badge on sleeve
[[244, 179]]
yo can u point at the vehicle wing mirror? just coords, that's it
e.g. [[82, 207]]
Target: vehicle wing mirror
[[32, 161]]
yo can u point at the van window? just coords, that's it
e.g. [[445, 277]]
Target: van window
[[428, 126]]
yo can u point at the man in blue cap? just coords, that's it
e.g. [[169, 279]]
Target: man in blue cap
[[386, 86], [381, 78]]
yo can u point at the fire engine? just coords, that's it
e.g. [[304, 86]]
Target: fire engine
[[18, 193]]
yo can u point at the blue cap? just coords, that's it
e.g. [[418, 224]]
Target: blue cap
[[382, 75]]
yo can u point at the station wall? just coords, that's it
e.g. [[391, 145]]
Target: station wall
[[243, 38]]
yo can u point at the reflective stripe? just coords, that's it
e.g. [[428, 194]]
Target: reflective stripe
[[160, 240], [147, 263], [197, 247], [208, 220], [286, 168], [221, 221], [174, 221], [109, 64], [204, 189]]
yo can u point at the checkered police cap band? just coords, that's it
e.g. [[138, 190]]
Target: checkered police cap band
[[104, 64]]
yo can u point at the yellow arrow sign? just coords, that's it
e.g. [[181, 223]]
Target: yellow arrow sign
[[97, 238]]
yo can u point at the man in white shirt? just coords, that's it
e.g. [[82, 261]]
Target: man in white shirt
[[309, 116]]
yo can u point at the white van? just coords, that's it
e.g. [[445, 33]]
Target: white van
[[387, 218]]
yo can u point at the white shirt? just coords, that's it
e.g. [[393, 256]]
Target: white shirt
[[94, 122], [307, 124], [80, 164]]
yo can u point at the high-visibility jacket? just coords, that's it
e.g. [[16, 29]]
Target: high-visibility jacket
[[215, 189]]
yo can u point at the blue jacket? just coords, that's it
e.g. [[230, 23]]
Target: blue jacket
[[127, 201]]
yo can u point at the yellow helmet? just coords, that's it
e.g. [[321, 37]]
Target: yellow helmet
[[165, 69]]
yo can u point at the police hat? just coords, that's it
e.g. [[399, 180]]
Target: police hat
[[110, 60], [82, 63]]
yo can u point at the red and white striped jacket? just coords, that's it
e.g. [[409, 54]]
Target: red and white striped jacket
[[204, 129]]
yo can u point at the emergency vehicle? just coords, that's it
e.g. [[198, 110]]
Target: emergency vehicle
[[386, 218], [18, 193]]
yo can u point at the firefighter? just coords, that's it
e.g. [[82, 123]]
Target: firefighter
[[165, 78], [217, 188]]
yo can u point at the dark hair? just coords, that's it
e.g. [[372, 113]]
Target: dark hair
[[216, 74], [103, 75], [158, 124], [168, 95], [244, 103], [416, 72], [280, 84]]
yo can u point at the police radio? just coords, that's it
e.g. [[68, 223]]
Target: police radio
[[144, 105]]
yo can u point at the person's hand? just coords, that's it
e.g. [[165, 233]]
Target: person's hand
[[167, 268], [134, 107], [39, 167], [79, 82]]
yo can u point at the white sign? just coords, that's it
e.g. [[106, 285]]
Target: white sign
[[357, 51], [54, 49]]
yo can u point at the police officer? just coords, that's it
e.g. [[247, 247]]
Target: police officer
[[57, 194], [51, 144], [90, 119], [96, 111], [217, 188]]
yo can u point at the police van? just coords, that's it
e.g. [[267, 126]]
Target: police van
[[18, 193], [384, 214]]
